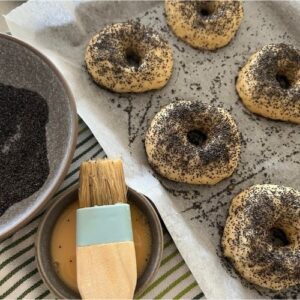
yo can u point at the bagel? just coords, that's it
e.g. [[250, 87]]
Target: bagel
[[262, 236], [192, 142], [129, 57], [204, 24], [269, 83]]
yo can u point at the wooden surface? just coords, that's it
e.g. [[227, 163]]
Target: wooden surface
[[106, 271]]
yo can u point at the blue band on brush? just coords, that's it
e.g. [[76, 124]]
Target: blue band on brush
[[103, 225]]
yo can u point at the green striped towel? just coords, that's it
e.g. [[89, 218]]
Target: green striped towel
[[19, 276]]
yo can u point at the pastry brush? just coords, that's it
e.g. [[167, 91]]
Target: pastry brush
[[106, 261]]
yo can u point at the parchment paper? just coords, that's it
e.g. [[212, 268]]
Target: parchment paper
[[195, 216]]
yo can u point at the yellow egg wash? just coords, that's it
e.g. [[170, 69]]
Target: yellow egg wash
[[63, 243], [141, 237], [63, 246]]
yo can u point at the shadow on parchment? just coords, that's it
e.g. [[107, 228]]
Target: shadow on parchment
[[90, 17]]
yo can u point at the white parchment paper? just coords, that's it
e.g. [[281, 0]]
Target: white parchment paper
[[195, 216]]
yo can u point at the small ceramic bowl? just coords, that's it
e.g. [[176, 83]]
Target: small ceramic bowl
[[22, 66], [43, 243]]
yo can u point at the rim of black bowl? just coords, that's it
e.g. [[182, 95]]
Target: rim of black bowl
[[62, 170]]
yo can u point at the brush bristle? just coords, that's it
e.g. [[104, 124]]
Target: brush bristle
[[102, 182]]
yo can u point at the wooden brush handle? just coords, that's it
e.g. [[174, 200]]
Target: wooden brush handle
[[107, 271], [106, 262]]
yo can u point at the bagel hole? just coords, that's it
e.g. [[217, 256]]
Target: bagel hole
[[205, 12], [132, 58], [283, 81], [278, 237], [206, 9], [196, 137]]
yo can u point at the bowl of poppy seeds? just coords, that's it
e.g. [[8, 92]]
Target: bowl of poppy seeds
[[38, 131]]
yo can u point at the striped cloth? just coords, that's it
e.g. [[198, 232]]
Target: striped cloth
[[19, 277]]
